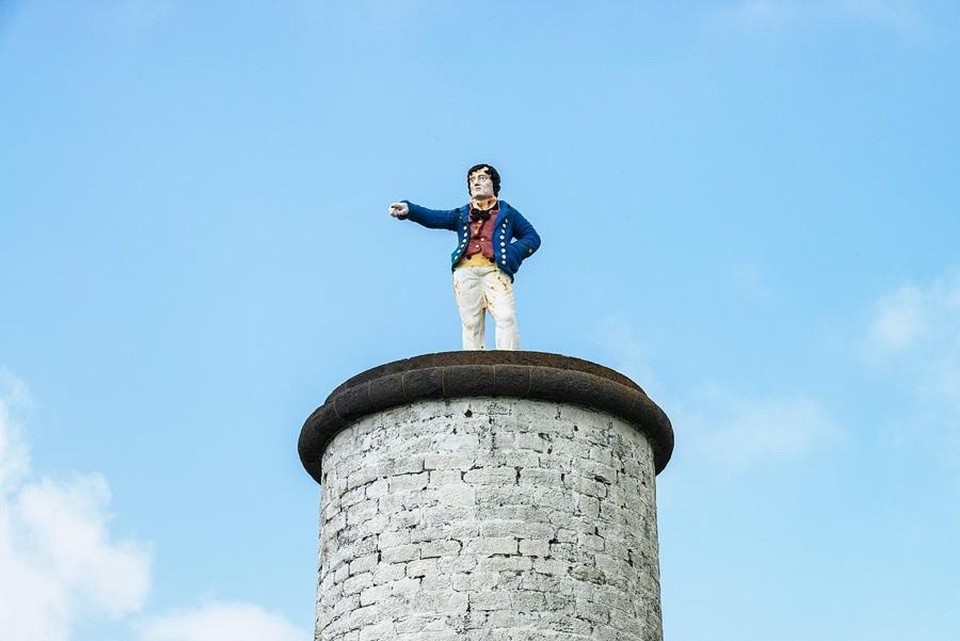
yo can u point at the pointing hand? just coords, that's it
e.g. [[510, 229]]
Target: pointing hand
[[399, 210]]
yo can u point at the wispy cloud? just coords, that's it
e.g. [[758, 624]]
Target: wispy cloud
[[731, 432], [60, 563], [914, 335], [720, 427], [918, 319], [14, 459], [222, 622], [900, 321]]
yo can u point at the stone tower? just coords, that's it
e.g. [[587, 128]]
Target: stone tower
[[488, 496]]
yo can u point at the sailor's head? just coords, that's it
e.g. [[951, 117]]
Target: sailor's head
[[483, 181]]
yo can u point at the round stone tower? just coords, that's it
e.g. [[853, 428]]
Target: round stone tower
[[488, 496]]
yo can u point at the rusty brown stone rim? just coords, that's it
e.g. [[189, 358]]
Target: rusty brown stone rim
[[447, 375]]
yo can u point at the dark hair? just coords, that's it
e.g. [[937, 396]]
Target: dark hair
[[494, 176]]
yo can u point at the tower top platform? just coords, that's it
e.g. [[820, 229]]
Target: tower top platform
[[537, 376]]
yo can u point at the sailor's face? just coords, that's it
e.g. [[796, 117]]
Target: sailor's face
[[481, 184]]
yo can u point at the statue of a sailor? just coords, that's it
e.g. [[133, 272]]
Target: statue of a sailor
[[493, 240]]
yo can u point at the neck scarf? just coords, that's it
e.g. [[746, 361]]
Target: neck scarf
[[479, 214]]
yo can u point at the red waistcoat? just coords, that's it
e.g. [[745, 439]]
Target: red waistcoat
[[481, 236]]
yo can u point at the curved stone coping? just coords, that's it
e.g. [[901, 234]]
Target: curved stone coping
[[529, 375]]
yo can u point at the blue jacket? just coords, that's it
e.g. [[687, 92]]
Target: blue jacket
[[514, 238]]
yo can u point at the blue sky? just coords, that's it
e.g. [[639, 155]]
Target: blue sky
[[750, 207]]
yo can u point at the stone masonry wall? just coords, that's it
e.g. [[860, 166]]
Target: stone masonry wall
[[488, 519]]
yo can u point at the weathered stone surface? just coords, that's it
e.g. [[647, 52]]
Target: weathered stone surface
[[481, 518]]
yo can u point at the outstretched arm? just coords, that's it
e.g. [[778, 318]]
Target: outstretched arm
[[432, 218]]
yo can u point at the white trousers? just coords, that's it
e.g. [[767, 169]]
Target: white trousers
[[485, 288]]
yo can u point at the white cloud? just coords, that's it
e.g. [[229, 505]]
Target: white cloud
[[720, 427], [14, 460], [222, 622], [900, 321], [918, 323], [914, 335], [58, 562], [68, 539], [731, 433]]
